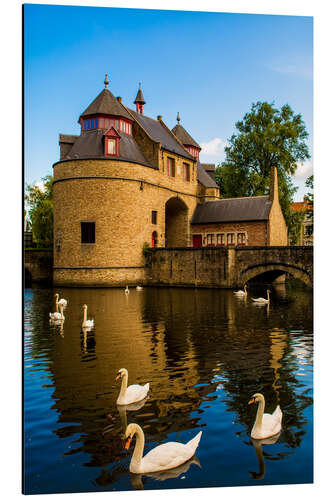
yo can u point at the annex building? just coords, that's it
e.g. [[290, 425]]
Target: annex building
[[128, 182]]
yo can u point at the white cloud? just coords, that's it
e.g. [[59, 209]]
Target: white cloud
[[304, 170], [40, 185], [215, 147]]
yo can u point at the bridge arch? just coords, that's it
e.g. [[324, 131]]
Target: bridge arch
[[176, 223], [278, 269]]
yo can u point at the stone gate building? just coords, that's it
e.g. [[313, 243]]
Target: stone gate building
[[128, 181]]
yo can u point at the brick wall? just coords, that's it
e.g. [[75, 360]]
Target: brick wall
[[256, 232]]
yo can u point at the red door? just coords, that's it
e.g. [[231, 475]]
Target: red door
[[197, 240]]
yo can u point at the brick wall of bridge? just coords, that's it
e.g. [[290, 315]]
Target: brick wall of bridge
[[39, 263]]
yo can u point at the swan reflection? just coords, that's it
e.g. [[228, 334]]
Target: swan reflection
[[122, 409], [136, 479], [257, 443]]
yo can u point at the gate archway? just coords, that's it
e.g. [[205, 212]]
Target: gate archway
[[176, 223]]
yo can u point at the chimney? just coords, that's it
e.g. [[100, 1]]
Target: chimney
[[274, 185]]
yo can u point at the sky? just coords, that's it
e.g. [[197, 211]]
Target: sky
[[210, 67]]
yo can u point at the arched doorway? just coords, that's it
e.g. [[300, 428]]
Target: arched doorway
[[176, 223], [154, 239]]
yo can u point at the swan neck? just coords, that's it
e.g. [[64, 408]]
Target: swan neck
[[138, 450], [123, 388], [84, 315], [260, 413]]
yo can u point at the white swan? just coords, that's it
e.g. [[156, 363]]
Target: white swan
[[86, 323], [139, 288], [261, 300], [132, 393], [57, 316], [163, 457], [126, 289], [266, 424], [241, 293], [61, 302]]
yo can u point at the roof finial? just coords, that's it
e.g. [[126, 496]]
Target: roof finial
[[139, 85], [178, 117], [106, 81]]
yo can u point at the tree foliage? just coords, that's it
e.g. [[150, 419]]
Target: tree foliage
[[39, 202], [309, 197], [266, 137]]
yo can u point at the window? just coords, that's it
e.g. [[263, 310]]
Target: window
[[210, 239], [186, 172], [87, 232], [171, 167], [101, 123], [230, 238], [154, 217], [111, 147], [220, 239], [241, 239]]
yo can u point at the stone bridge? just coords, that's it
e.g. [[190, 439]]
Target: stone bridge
[[37, 266], [226, 267]]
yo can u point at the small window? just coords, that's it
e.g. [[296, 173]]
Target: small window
[[231, 239], [87, 232], [186, 172], [111, 146], [85, 124], [107, 123], [210, 239], [171, 167], [241, 239], [101, 123], [220, 239], [154, 217]]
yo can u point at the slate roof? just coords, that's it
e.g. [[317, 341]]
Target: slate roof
[[184, 136], [160, 133], [106, 103], [68, 139], [90, 144], [232, 210], [205, 179], [210, 169]]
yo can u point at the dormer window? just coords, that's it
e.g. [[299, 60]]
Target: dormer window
[[111, 142]]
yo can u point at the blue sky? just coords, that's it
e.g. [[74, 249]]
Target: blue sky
[[208, 66]]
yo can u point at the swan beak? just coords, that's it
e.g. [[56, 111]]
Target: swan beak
[[118, 376], [128, 442], [251, 401]]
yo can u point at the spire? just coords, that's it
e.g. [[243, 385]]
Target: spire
[[139, 100], [106, 81], [178, 117]]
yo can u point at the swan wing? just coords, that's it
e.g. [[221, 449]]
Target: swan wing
[[136, 392], [271, 423], [166, 456]]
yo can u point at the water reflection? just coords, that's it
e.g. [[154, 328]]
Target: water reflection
[[137, 479], [258, 443], [203, 351]]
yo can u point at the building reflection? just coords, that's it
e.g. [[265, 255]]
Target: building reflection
[[185, 343]]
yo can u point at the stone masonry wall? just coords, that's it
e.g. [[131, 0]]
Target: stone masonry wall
[[119, 197], [256, 232]]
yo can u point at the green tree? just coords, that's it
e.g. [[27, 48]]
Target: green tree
[[266, 137], [39, 202]]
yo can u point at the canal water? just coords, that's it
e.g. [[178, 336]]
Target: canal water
[[204, 353]]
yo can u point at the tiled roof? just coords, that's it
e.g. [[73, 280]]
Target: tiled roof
[[205, 179], [90, 144], [107, 104], [232, 210], [301, 206], [184, 136], [160, 133]]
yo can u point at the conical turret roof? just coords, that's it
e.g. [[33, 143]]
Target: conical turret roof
[[106, 103], [183, 135], [139, 96]]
